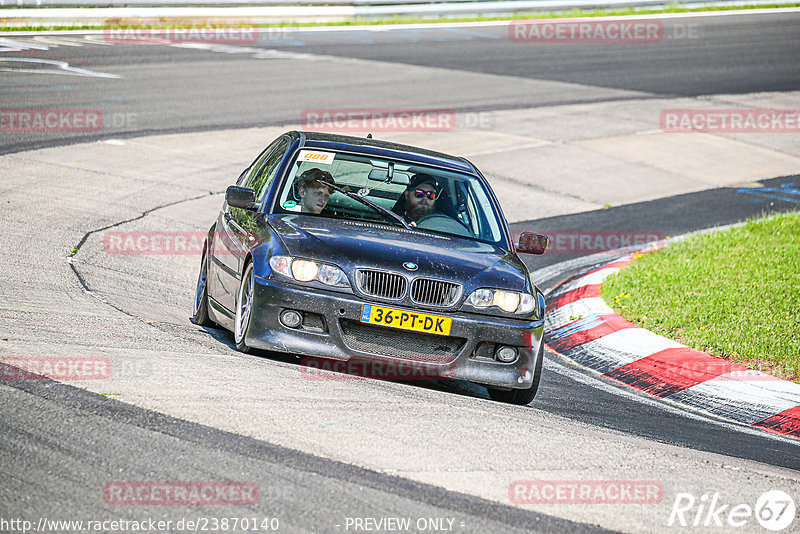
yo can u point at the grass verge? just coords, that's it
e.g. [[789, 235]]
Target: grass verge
[[732, 294], [575, 13]]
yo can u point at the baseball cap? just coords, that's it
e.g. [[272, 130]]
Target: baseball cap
[[423, 178]]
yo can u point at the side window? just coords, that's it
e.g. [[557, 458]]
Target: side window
[[248, 176], [242, 177], [472, 210], [266, 172]]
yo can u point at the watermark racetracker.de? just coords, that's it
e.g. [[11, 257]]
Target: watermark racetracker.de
[[586, 492], [180, 493], [391, 120], [353, 369], [621, 30], [74, 368], [170, 243], [248, 523], [188, 243], [593, 241], [158, 242], [64, 120], [731, 120], [55, 368], [230, 32]]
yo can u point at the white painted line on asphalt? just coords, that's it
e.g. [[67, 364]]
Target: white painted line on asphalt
[[258, 53], [19, 46], [97, 40], [62, 67], [58, 41]]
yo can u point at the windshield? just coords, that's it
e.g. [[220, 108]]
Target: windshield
[[425, 198]]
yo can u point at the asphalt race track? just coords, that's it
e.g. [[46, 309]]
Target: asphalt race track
[[569, 136]]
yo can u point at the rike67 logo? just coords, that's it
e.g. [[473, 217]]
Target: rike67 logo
[[774, 510]]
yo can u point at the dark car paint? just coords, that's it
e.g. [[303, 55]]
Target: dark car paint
[[240, 236], [387, 150], [470, 262], [267, 332]]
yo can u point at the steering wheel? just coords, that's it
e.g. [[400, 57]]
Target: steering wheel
[[444, 223]]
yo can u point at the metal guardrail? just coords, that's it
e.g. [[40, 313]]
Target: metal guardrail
[[13, 13], [217, 3], [398, 6]]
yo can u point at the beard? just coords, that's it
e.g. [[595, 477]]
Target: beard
[[418, 211]]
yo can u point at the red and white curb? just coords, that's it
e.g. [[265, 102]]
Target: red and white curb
[[581, 327]]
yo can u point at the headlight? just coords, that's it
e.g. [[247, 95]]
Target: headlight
[[304, 270], [309, 271], [330, 275], [526, 303], [281, 264], [508, 301], [481, 298]]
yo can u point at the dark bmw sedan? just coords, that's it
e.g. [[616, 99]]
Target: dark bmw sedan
[[353, 249]]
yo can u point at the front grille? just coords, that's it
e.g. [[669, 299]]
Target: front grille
[[395, 343], [434, 292], [381, 284]]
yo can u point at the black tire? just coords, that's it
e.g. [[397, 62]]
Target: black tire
[[244, 308], [200, 316], [521, 397]]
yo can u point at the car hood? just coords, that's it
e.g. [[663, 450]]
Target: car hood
[[354, 244]]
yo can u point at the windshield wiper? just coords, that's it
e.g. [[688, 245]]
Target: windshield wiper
[[377, 207]]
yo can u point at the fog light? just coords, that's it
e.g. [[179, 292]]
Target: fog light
[[291, 319], [506, 354]]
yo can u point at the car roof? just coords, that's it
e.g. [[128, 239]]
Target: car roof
[[378, 148]]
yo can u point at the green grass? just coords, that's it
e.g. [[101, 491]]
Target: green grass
[[732, 294], [413, 20]]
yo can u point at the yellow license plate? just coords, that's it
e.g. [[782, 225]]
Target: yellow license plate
[[406, 320]]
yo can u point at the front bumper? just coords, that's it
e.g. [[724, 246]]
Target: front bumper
[[341, 336]]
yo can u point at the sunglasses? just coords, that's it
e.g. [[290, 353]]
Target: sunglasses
[[432, 195]]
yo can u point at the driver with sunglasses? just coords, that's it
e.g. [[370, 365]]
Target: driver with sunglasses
[[420, 197], [419, 205]]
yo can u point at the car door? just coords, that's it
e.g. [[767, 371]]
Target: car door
[[235, 233]]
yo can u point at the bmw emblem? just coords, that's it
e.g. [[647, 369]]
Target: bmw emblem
[[411, 266]]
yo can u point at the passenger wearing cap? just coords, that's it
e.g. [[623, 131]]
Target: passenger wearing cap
[[313, 193]]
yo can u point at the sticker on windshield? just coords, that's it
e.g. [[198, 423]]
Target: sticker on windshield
[[325, 158], [289, 204]]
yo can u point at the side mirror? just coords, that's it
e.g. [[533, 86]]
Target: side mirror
[[241, 197], [530, 243]]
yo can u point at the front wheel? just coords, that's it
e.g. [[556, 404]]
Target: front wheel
[[244, 308], [521, 397], [200, 316]]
